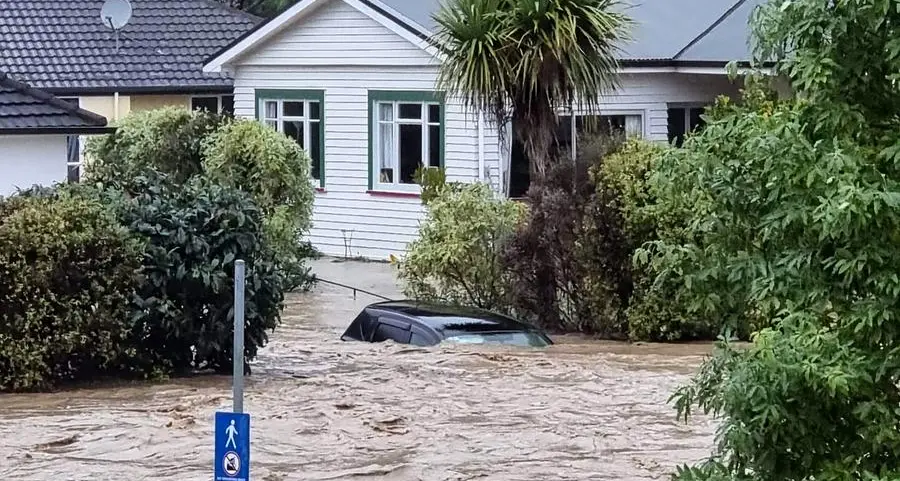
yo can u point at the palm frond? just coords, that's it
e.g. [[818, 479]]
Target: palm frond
[[530, 58]]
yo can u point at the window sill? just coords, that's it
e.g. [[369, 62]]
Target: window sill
[[387, 193]]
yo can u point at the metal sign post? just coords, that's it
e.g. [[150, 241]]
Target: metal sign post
[[238, 352], [232, 430]]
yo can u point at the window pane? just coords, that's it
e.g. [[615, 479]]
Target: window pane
[[73, 149], [210, 104], [293, 109], [386, 152], [272, 123], [434, 113], [434, 146], [271, 109], [634, 126], [385, 112], [612, 123], [315, 110], [228, 104], [696, 120], [74, 173], [411, 111], [676, 126], [315, 148], [563, 134], [294, 130], [410, 151]]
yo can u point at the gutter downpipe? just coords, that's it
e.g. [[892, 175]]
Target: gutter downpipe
[[480, 146]]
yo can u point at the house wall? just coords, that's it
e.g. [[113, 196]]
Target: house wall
[[148, 102], [105, 105], [26, 160], [344, 52]]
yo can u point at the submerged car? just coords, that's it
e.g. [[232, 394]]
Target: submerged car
[[426, 324]]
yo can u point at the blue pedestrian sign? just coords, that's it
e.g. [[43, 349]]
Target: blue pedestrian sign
[[232, 461]]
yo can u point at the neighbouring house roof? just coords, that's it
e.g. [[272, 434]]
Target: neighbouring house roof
[[27, 110], [667, 32], [63, 46]]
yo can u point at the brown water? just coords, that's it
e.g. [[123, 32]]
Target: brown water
[[323, 409]]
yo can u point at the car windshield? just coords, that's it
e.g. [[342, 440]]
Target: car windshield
[[520, 338]]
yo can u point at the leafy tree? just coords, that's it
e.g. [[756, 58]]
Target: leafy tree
[[262, 8], [275, 171], [167, 139], [68, 272], [796, 223], [525, 60], [458, 255], [184, 310]]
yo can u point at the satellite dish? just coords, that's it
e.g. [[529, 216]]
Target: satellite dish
[[115, 14]]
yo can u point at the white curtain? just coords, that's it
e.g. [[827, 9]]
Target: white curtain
[[386, 142], [271, 110], [634, 126]]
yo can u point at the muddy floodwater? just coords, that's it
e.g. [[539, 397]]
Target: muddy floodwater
[[323, 409]]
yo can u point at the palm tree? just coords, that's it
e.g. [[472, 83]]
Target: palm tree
[[525, 60]]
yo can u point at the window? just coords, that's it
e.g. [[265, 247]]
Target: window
[[214, 103], [73, 146], [386, 331], [406, 132], [584, 126], [299, 115], [683, 120]]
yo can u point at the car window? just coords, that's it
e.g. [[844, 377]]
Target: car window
[[386, 331], [419, 339], [525, 339]]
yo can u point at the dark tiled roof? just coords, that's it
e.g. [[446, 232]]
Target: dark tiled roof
[[62, 45], [26, 109]]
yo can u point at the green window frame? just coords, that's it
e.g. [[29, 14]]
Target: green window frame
[[400, 121], [299, 114]]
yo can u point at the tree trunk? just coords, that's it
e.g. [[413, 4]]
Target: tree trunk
[[535, 126]]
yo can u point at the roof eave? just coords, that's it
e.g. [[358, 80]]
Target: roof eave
[[57, 130], [137, 90]]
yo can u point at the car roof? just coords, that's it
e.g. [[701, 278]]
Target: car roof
[[442, 317]]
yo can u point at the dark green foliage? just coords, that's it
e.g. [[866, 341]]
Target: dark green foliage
[[433, 182], [656, 307], [195, 232], [570, 259], [458, 257], [67, 274], [797, 223], [275, 171], [168, 140]]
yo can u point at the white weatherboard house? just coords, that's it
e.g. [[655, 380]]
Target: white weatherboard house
[[353, 81]]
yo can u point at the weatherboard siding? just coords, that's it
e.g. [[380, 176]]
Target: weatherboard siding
[[335, 33], [373, 225], [345, 53]]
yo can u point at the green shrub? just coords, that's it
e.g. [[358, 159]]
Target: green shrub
[[275, 171], [798, 225], [458, 255], [656, 307], [433, 181], [570, 259], [168, 140], [67, 274], [184, 310]]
